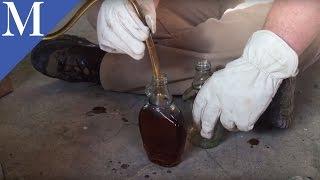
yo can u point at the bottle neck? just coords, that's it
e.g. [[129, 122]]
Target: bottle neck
[[158, 92], [203, 72]]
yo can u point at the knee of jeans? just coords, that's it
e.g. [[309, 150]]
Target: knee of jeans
[[121, 73], [311, 55]]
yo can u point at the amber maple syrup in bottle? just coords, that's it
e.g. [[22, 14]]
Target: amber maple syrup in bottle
[[162, 125]]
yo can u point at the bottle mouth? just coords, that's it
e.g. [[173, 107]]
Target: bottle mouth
[[203, 65], [162, 79]]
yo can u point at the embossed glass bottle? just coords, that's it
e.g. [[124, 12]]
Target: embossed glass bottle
[[202, 73], [162, 125]]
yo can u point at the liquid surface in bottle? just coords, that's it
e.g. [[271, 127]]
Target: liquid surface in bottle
[[163, 134]]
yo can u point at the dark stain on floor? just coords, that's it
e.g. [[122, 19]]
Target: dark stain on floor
[[124, 166], [97, 110], [124, 119], [114, 170], [253, 142]]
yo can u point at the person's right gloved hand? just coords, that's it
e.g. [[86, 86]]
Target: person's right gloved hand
[[120, 30], [238, 94]]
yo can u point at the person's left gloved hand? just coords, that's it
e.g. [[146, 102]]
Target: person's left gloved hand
[[241, 92]]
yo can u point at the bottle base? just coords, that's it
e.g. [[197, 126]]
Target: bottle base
[[160, 163], [196, 139], [163, 162]]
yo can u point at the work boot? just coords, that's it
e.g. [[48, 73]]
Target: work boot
[[280, 111], [68, 58]]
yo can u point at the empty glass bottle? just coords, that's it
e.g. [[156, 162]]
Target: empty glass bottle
[[203, 72], [162, 125]]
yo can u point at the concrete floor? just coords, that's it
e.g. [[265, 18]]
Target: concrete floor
[[46, 132]]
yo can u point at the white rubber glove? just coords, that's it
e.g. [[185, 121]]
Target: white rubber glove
[[241, 92], [120, 30]]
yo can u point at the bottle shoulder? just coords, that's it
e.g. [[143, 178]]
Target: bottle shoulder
[[189, 94], [171, 113]]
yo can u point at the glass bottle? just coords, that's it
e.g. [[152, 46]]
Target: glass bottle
[[161, 125], [202, 73]]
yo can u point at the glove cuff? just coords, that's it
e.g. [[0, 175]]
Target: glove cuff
[[271, 54]]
